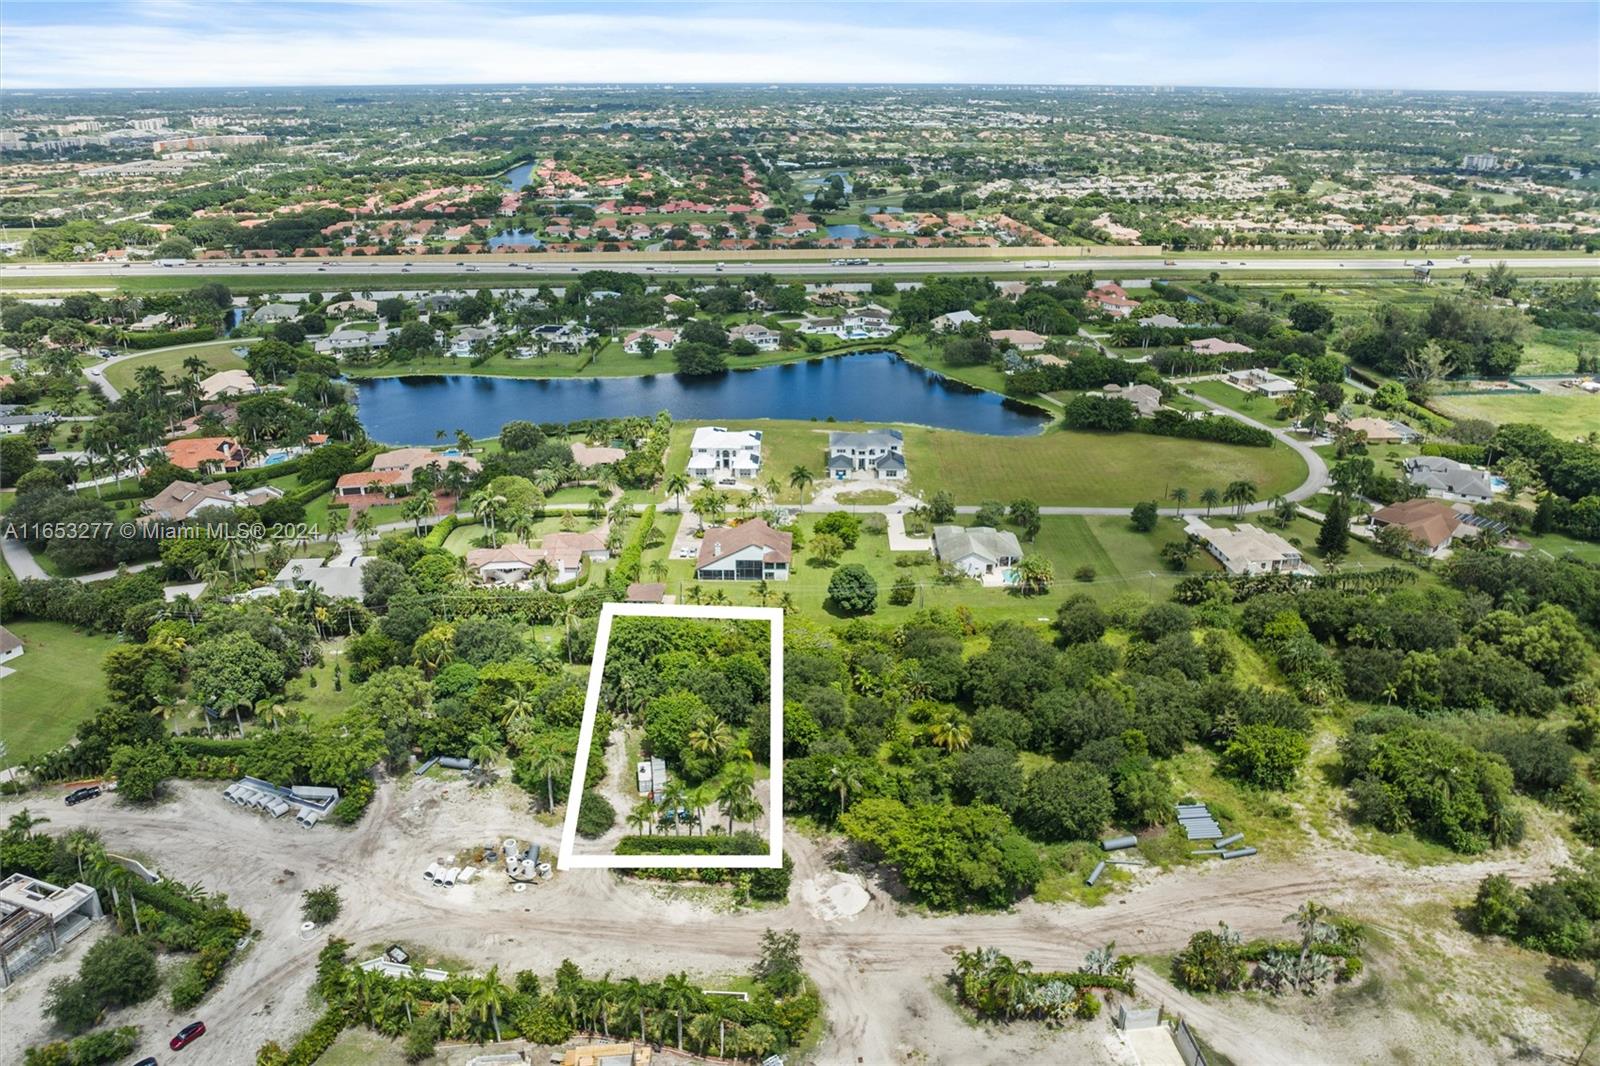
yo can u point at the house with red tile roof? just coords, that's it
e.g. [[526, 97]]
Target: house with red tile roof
[[206, 455]]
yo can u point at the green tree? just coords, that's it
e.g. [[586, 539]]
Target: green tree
[[1066, 801], [1267, 756], [321, 904], [853, 590]]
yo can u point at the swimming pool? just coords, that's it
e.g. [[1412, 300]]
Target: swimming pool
[[275, 458]]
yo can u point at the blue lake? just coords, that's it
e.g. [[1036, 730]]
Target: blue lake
[[518, 176], [850, 230], [515, 237], [868, 387]]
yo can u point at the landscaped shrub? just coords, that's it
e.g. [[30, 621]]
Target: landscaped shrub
[[91, 1049], [596, 815]]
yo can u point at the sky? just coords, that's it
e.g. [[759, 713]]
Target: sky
[[1532, 46]]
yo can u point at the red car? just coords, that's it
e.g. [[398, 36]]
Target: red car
[[188, 1035]]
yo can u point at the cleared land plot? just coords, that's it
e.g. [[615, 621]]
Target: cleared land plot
[[217, 354], [1253, 404], [1567, 416], [57, 684]]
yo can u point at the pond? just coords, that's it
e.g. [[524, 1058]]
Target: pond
[[868, 387], [516, 238], [850, 230], [518, 176]]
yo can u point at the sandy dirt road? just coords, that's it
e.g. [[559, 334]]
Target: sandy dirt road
[[877, 970]]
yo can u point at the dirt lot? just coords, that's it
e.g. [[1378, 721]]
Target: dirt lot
[[879, 969]]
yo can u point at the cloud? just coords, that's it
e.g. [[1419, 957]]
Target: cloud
[[176, 43]]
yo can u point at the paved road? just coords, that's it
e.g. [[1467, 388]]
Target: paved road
[[549, 265]]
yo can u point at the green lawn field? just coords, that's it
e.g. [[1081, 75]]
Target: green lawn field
[[1058, 467], [1250, 404], [1568, 415], [217, 354], [57, 684]]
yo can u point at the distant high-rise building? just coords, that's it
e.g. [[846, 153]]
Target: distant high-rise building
[[1480, 161], [148, 124]]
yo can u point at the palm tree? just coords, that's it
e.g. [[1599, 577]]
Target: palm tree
[[519, 705], [951, 735], [801, 479], [486, 508], [83, 843], [419, 508], [364, 525], [1311, 920], [1209, 496], [487, 999], [736, 797], [1179, 496], [675, 798], [710, 736], [643, 817], [678, 995], [1035, 573], [677, 485], [1240, 493], [631, 996], [843, 777]]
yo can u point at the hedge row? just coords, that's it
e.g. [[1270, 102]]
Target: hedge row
[[441, 532], [740, 843], [141, 342], [1461, 453], [1218, 428], [310, 1047], [628, 567]]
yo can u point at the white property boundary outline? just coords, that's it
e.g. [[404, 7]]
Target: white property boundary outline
[[773, 859]]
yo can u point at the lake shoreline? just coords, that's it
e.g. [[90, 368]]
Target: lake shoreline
[[883, 386]]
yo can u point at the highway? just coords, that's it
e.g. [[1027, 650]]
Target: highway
[[433, 267]]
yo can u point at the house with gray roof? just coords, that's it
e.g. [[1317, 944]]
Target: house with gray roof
[[873, 453], [976, 550], [338, 582], [1448, 479], [267, 313]]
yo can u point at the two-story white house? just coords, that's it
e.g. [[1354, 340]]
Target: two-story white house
[[874, 453], [716, 452]]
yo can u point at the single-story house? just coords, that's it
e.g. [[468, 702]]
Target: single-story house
[[765, 340], [665, 340], [1146, 399], [952, 321], [367, 483], [228, 383], [976, 550], [10, 645], [1248, 549], [1263, 381], [409, 460], [1023, 340], [185, 499], [587, 455], [339, 582], [511, 563], [751, 551], [1438, 476], [1162, 321], [1218, 346], [269, 313], [880, 452], [205, 455], [348, 339], [22, 423], [1377, 430], [1431, 524]]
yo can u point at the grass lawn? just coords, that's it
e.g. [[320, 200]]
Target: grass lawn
[[464, 537], [1252, 404], [217, 354], [57, 684], [1058, 467], [1123, 561], [1567, 415], [363, 1047], [1302, 533], [318, 700]]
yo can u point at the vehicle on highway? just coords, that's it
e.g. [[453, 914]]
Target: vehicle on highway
[[78, 795], [188, 1035]]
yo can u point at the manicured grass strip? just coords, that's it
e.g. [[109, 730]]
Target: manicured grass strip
[[57, 684]]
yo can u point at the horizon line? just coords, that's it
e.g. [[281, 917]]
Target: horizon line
[[614, 83]]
